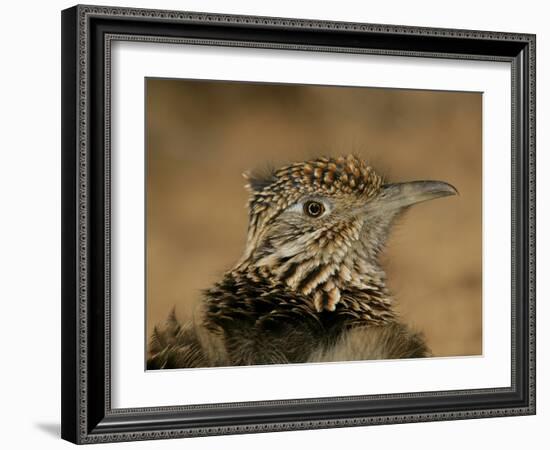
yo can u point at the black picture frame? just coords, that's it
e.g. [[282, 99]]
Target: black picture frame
[[87, 416]]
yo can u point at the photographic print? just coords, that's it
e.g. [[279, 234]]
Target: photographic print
[[292, 207], [291, 223]]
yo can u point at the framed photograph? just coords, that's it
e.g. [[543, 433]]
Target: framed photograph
[[281, 224]]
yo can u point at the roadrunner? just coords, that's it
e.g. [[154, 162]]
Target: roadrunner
[[309, 286]]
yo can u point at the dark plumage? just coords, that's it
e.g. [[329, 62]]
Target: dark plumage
[[308, 287]]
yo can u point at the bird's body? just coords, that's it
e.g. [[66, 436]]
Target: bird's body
[[309, 287]]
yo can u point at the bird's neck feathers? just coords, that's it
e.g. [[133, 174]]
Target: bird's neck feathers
[[337, 272]]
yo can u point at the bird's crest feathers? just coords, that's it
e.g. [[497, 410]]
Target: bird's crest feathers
[[257, 180]]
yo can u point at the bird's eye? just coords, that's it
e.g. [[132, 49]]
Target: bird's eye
[[313, 208]]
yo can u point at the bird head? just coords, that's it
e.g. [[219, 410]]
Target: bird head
[[319, 226]]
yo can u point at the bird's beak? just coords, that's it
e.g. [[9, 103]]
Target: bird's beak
[[396, 196]]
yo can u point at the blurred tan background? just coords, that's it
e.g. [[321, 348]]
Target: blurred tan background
[[202, 135]]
